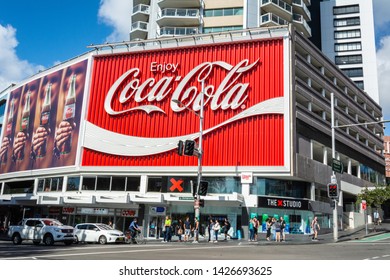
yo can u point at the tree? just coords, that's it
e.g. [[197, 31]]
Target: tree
[[374, 197]]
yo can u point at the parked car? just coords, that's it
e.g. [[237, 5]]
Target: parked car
[[40, 230], [98, 233]]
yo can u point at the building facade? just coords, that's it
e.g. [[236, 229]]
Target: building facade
[[95, 139], [348, 39], [153, 19]]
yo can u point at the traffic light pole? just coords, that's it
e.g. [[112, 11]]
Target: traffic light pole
[[335, 223], [200, 154]]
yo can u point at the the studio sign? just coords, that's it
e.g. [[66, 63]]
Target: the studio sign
[[285, 203]]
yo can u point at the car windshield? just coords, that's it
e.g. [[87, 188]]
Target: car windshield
[[52, 223], [104, 227]]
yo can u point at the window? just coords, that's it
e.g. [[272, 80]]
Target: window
[[341, 10], [18, 187], [360, 84], [223, 12], [133, 184], [118, 183], [355, 46], [88, 183], [346, 22], [50, 184], [349, 59], [73, 184], [103, 183], [155, 184], [221, 29], [353, 72], [347, 34]]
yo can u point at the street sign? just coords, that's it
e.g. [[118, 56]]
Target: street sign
[[337, 166], [364, 205]]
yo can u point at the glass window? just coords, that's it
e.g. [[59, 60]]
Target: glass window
[[118, 183], [353, 72], [73, 184], [275, 187], [18, 187], [89, 183], [155, 184], [56, 184], [133, 184], [347, 34], [349, 59], [355, 46], [346, 9], [218, 13], [41, 182], [346, 22], [360, 84], [46, 186], [103, 183]]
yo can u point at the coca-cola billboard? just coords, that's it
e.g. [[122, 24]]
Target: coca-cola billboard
[[40, 132], [136, 114]]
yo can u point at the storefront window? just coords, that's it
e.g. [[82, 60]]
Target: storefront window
[[89, 183], [133, 184], [73, 184], [155, 184], [226, 185], [118, 183], [274, 187], [103, 183], [18, 187], [50, 184]]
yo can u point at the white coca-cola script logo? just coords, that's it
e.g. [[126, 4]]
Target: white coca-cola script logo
[[228, 94]]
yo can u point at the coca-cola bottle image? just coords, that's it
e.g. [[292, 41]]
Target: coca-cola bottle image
[[69, 114], [20, 139], [9, 131], [45, 121]]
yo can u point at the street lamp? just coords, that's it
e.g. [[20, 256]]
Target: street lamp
[[333, 178], [199, 150]]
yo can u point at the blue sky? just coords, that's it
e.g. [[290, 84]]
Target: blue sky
[[38, 34]]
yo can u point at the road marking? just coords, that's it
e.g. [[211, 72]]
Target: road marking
[[124, 251], [374, 238]]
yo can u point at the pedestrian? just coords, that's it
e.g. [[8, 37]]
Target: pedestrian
[[210, 229], [376, 217], [282, 227], [187, 229], [273, 232], [216, 229], [180, 229], [251, 231], [196, 231], [167, 227], [226, 228], [277, 230], [268, 227], [255, 228], [315, 227]]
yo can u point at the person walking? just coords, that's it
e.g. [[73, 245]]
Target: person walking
[[268, 227], [315, 227], [196, 231], [167, 227], [210, 229], [251, 231], [226, 228], [180, 229], [282, 227], [277, 230], [216, 229], [255, 228], [187, 229]]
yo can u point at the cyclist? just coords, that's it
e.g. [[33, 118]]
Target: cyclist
[[134, 228]]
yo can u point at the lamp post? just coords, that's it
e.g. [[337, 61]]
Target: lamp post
[[333, 178], [199, 150]]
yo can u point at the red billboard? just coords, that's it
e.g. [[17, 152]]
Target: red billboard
[[41, 126], [142, 103]]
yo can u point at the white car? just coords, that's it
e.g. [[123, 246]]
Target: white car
[[98, 233]]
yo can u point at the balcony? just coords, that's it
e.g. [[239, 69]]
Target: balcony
[[271, 19], [180, 4], [277, 7], [300, 7], [137, 2], [176, 31], [179, 17], [139, 30], [301, 25], [140, 13]]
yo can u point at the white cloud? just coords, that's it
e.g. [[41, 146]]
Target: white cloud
[[383, 62], [116, 13], [12, 68], [381, 12]]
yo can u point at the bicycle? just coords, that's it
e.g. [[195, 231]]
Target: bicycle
[[138, 238]]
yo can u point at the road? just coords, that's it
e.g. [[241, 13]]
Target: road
[[370, 248]]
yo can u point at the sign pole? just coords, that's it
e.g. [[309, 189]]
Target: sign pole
[[335, 224]]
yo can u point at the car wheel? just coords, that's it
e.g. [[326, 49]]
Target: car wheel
[[102, 240], [48, 240], [16, 239], [76, 240]]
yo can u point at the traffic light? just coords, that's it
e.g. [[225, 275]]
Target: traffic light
[[333, 191], [189, 147], [180, 148], [203, 188], [201, 203]]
